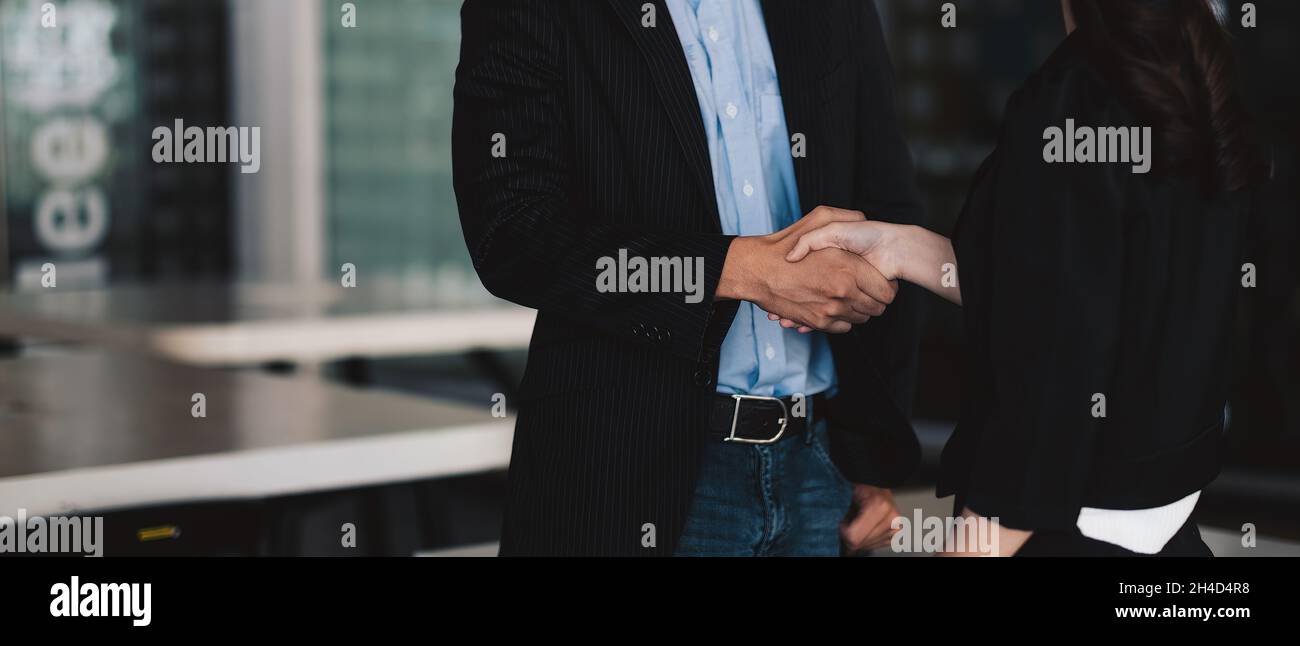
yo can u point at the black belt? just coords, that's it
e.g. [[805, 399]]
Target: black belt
[[749, 419]]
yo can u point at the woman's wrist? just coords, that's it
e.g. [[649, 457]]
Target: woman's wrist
[[901, 245], [925, 258]]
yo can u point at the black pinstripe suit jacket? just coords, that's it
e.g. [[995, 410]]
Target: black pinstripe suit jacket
[[577, 133]]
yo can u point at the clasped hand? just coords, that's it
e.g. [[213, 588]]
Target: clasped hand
[[829, 271]]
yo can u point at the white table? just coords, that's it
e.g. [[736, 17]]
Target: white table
[[248, 324], [102, 431]]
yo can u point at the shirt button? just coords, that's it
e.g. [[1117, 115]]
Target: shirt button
[[713, 34], [770, 353], [749, 189], [732, 110]]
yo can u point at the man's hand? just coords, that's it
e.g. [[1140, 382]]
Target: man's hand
[[869, 525], [830, 290]]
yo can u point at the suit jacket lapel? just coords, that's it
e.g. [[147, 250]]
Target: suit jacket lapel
[[796, 49], [672, 78]]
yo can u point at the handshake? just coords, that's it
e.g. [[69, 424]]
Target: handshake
[[829, 271]]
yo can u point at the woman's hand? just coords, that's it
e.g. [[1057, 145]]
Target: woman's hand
[[898, 251], [871, 240], [1002, 541]]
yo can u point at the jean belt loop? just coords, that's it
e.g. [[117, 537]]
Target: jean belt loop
[[808, 421]]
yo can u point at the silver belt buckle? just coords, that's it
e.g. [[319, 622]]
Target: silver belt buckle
[[735, 418]]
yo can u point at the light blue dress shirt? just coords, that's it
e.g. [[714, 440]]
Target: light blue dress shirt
[[726, 46]]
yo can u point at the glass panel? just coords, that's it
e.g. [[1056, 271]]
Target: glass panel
[[391, 207]]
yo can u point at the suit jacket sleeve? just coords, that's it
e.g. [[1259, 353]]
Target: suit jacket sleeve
[[530, 241], [1055, 291]]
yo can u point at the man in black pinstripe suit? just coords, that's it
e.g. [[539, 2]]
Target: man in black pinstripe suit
[[605, 148]]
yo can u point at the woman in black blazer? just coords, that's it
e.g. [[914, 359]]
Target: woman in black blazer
[[1100, 258]]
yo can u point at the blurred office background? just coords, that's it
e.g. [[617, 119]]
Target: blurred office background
[[356, 170]]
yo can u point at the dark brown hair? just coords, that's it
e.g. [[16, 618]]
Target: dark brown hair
[[1175, 62]]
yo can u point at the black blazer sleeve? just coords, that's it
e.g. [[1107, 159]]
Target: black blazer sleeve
[[1054, 294], [530, 243]]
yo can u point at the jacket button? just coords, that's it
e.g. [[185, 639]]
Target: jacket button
[[703, 377]]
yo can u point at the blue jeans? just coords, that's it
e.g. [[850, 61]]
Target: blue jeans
[[783, 499]]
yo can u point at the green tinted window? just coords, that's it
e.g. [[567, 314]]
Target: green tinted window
[[391, 207]]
